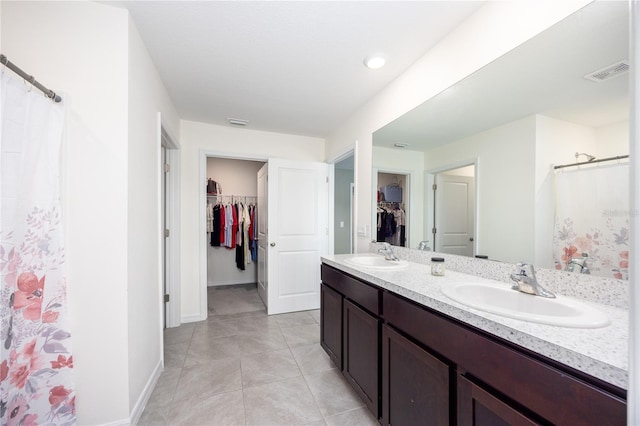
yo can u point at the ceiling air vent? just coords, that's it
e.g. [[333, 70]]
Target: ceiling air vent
[[609, 72]]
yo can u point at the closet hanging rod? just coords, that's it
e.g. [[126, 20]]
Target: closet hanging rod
[[619, 157], [30, 79], [233, 197]]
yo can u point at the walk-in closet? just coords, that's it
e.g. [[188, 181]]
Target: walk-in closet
[[392, 199], [231, 217]]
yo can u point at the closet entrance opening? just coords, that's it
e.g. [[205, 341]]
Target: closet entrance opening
[[392, 218], [291, 197], [232, 234]]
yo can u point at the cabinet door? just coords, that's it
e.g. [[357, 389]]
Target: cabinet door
[[415, 384], [478, 407], [331, 323], [362, 354]]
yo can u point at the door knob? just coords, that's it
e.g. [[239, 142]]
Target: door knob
[[272, 244]]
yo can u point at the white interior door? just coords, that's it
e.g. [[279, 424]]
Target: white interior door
[[297, 233], [263, 202], [454, 214]]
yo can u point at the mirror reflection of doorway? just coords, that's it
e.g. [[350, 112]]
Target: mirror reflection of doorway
[[343, 206], [392, 221], [454, 211]]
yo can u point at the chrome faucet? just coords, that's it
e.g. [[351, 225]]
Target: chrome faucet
[[579, 264], [526, 281], [387, 251], [424, 246]]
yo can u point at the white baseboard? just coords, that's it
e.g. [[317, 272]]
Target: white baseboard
[[122, 422], [192, 318], [136, 413], [229, 282]]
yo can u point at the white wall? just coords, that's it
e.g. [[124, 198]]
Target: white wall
[[196, 140], [237, 177], [504, 182], [84, 54], [492, 31], [633, 410], [612, 140], [90, 53], [147, 97]]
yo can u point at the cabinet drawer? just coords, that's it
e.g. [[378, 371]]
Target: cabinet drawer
[[361, 293], [558, 394]]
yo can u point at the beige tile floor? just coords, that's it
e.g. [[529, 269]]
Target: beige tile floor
[[242, 367]]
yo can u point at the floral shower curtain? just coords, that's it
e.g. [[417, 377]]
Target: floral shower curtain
[[592, 217], [36, 364]]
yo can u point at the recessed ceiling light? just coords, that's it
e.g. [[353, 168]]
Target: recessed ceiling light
[[375, 62], [238, 121], [400, 145]]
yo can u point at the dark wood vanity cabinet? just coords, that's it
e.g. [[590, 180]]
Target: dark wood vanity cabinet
[[431, 369], [350, 332]]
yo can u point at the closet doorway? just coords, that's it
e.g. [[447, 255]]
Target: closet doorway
[[392, 208], [293, 234], [231, 255]]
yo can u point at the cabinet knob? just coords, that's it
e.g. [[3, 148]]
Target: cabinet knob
[[272, 244]]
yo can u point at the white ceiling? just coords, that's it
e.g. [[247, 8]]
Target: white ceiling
[[542, 76], [286, 66]]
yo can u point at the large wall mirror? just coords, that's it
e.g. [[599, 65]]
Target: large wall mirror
[[493, 140]]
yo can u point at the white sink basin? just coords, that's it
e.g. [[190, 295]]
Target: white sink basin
[[376, 262], [502, 300]]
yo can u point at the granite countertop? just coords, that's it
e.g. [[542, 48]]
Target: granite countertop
[[600, 352]]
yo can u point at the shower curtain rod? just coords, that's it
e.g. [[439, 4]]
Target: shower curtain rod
[[619, 157], [30, 79]]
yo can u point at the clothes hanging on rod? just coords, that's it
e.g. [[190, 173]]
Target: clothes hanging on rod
[[391, 223], [231, 225]]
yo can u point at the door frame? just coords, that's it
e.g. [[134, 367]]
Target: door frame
[[345, 153], [171, 309], [203, 154], [429, 199], [408, 205]]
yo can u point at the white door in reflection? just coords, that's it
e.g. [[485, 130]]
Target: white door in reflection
[[454, 213]]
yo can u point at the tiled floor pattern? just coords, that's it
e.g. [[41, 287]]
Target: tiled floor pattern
[[242, 367]]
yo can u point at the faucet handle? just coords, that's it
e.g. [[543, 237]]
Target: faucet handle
[[526, 269]]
